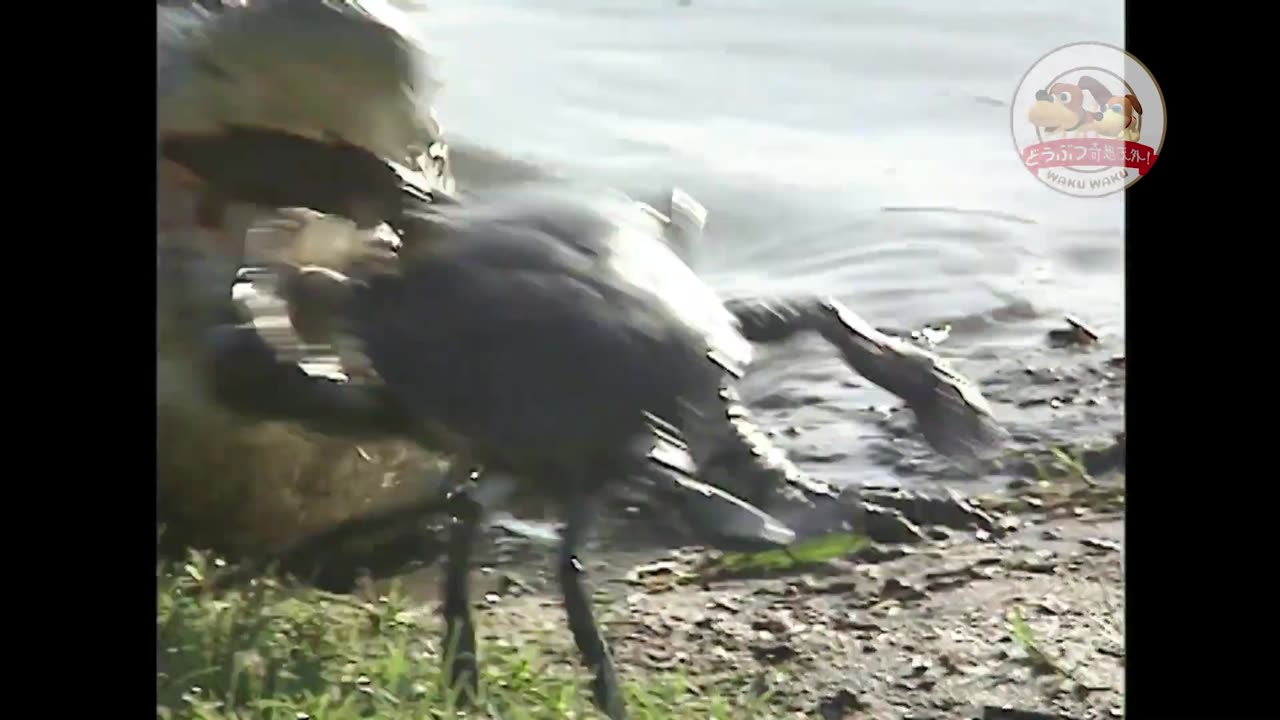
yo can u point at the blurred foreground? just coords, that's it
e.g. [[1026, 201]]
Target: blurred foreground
[[955, 626]]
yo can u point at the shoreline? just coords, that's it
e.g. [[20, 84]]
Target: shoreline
[[935, 629]]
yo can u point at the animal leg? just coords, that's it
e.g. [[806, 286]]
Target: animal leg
[[577, 602], [460, 631], [951, 413]]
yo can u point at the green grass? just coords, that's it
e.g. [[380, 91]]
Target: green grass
[[1040, 658], [276, 653], [814, 551], [1022, 634]]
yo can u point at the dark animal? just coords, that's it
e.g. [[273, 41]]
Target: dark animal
[[547, 336]]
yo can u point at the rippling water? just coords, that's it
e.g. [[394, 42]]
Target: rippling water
[[855, 148]]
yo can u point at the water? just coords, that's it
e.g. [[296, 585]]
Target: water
[[855, 148]]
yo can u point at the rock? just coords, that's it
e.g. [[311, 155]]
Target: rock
[[773, 653], [760, 684], [844, 705], [879, 553], [919, 666], [509, 584], [658, 660], [887, 525], [1043, 561], [947, 578], [1007, 712], [1101, 544], [1075, 334], [1112, 650], [838, 586], [772, 624], [1051, 605], [850, 622], [723, 603], [895, 589], [659, 576], [1106, 459]]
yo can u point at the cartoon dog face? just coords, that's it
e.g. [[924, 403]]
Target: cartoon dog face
[[1120, 115], [1059, 109]]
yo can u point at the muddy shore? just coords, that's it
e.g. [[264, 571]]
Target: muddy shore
[[964, 624]]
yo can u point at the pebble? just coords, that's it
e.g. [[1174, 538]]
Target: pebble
[[895, 589], [723, 603], [844, 704], [1101, 544], [774, 652], [920, 665]]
